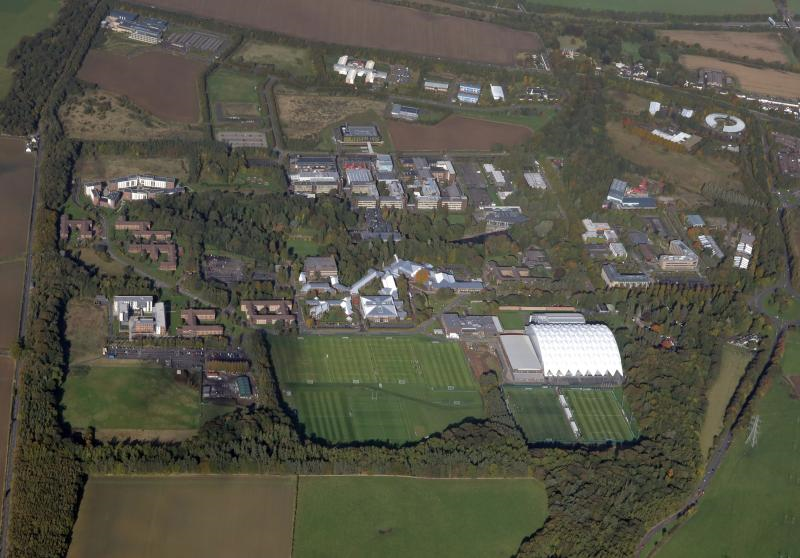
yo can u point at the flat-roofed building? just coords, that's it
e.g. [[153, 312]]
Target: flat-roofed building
[[680, 258], [435, 86], [267, 312], [522, 359], [319, 267]]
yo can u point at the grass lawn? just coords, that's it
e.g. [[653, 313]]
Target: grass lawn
[[514, 319], [733, 362], [752, 507], [87, 330], [303, 248], [129, 395], [599, 414], [539, 414], [388, 517], [296, 60], [227, 86], [20, 18], [681, 7], [532, 121], [397, 388]]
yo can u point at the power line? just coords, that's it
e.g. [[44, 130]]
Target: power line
[[753, 431]]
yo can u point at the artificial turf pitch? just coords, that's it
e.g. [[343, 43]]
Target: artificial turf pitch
[[539, 414], [598, 414], [393, 388]]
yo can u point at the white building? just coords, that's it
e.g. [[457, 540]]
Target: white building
[[497, 93]]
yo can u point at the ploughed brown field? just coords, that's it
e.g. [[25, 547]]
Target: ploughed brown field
[[456, 133], [162, 84], [365, 23], [764, 46], [16, 181], [753, 80]]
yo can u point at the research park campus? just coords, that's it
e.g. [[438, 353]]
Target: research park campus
[[359, 278]]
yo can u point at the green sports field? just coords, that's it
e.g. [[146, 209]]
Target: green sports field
[[228, 86], [599, 414], [394, 388], [20, 18], [752, 507], [539, 414], [128, 395], [679, 7], [399, 517]]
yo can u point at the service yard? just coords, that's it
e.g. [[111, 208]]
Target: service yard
[[163, 84]]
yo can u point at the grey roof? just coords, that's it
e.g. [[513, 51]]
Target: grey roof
[[617, 190], [695, 221], [520, 352], [382, 306]]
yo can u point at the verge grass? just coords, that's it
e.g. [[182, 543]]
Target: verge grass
[[394, 388], [388, 517], [733, 363]]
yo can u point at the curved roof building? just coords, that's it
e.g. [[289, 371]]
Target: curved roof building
[[575, 349], [715, 119]]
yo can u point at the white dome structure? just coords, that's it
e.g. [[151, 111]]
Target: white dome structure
[[715, 119], [576, 350]]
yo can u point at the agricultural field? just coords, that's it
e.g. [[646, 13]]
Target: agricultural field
[[456, 133], [394, 517], [20, 18], [102, 115], [679, 7], [163, 84], [87, 330], [751, 507], [539, 414], [296, 60], [174, 517], [370, 24], [110, 166], [598, 414], [6, 400], [764, 46], [687, 173], [16, 178], [129, 395], [359, 388], [12, 279], [306, 116], [732, 365], [754, 80]]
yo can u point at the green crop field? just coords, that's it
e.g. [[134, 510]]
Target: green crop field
[[393, 517], [228, 86], [598, 414], [20, 18], [732, 365], [539, 414], [680, 7], [395, 388], [752, 507], [129, 395], [185, 517]]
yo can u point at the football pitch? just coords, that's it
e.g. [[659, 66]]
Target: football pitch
[[599, 414], [539, 414], [390, 388]]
